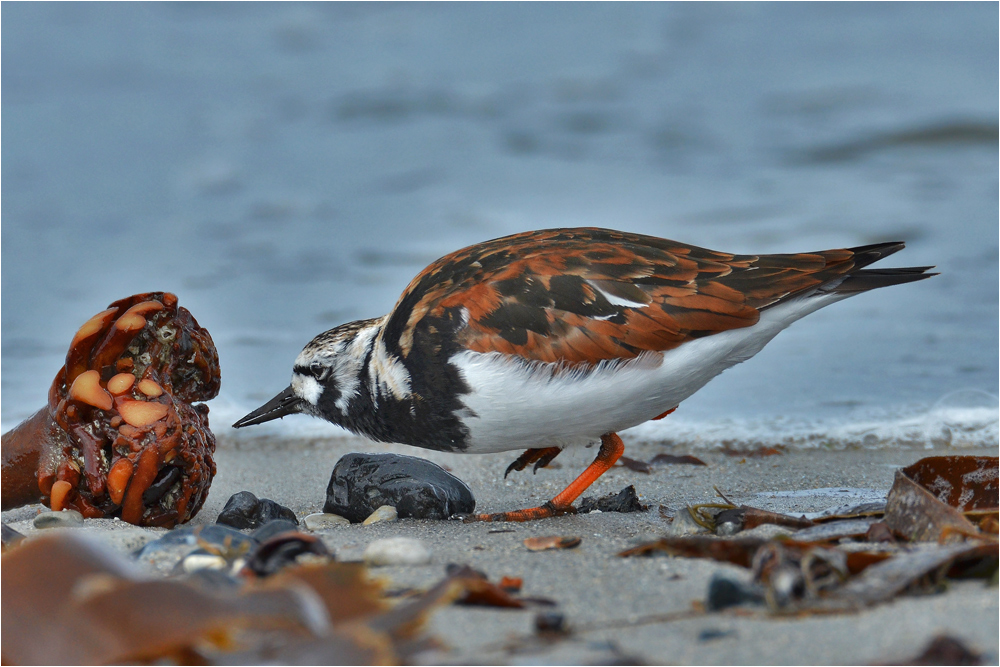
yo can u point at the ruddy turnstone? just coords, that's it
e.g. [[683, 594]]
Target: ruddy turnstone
[[561, 337]]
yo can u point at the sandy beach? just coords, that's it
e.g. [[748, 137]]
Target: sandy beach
[[635, 611]]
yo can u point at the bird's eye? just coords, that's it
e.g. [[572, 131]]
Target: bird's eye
[[318, 370]]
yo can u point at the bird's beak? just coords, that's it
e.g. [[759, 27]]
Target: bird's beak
[[285, 403]]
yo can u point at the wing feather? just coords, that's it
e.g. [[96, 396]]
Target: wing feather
[[586, 295]]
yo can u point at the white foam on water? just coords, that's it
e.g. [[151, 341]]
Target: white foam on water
[[913, 428]]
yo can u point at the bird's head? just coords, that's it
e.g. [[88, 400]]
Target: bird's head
[[326, 375]]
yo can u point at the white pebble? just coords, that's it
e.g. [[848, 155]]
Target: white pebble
[[384, 513], [195, 562], [397, 551], [322, 521], [63, 519]]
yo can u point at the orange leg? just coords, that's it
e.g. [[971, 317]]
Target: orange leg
[[611, 448]]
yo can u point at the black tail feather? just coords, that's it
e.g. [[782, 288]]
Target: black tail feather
[[858, 279], [869, 254], [862, 281]]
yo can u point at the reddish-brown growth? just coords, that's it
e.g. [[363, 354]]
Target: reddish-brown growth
[[120, 435]]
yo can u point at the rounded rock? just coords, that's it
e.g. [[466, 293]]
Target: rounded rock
[[63, 519], [383, 513], [397, 551], [417, 488], [325, 521], [245, 510]]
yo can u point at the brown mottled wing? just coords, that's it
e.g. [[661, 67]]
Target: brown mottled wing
[[584, 295]]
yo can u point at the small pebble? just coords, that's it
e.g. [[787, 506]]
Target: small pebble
[[63, 519], [727, 528], [712, 634], [725, 592], [625, 500], [729, 522], [551, 623], [397, 551], [324, 521], [203, 561], [384, 513], [244, 510]]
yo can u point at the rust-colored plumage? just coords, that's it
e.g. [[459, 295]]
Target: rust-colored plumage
[[586, 295]]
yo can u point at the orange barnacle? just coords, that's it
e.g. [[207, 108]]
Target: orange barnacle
[[87, 389], [130, 322], [142, 413], [84, 340], [145, 473], [121, 383], [118, 479], [144, 307], [60, 491], [150, 388], [93, 325], [133, 319]]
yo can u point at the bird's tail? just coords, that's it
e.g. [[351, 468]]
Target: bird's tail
[[860, 279]]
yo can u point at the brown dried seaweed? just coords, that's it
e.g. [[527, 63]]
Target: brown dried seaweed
[[71, 600], [928, 498]]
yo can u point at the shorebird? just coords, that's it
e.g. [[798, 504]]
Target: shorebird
[[560, 338]]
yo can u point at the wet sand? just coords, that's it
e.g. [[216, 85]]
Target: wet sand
[[620, 610]]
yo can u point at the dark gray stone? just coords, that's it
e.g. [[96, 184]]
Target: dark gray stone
[[418, 489], [551, 623], [245, 510], [625, 500], [724, 592]]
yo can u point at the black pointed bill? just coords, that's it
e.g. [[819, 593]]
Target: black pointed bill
[[285, 403]]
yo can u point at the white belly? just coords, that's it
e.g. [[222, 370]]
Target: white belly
[[518, 405]]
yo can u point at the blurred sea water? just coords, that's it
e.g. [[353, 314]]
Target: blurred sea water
[[287, 167]]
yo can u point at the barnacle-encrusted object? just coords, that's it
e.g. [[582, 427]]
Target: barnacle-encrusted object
[[121, 435]]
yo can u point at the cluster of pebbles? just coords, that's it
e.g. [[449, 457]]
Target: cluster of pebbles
[[262, 536]]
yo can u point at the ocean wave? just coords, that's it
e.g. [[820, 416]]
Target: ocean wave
[[938, 427]]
